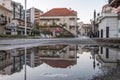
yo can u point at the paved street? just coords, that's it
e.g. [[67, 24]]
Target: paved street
[[55, 40], [16, 43]]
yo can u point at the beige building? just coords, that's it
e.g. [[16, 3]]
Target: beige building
[[5, 18], [61, 16], [84, 29], [15, 7], [33, 15], [17, 27]]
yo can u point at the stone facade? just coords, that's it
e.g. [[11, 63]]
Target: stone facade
[[5, 18]]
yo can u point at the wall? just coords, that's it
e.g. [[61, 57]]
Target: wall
[[61, 19], [110, 21]]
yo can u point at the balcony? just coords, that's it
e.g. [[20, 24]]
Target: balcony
[[114, 3], [3, 22], [110, 1], [105, 15]]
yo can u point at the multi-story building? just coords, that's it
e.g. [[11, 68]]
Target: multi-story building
[[15, 7], [84, 29], [16, 24], [5, 18], [33, 15], [61, 16], [17, 10]]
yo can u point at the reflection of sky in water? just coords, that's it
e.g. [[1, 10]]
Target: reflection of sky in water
[[85, 67]]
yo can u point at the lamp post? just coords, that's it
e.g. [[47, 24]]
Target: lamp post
[[25, 19]]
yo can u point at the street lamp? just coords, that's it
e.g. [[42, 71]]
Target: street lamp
[[25, 19]]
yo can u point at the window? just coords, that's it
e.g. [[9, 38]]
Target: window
[[9, 20], [118, 16]]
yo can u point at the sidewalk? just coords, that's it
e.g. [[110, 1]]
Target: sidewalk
[[108, 40]]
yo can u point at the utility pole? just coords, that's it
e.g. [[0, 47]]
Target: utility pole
[[25, 19], [76, 27], [94, 23]]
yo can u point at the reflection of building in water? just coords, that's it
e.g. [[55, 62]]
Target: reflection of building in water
[[109, 58], [59, 63], [60, 57], [67, 52], [33, 60], [10, 61]]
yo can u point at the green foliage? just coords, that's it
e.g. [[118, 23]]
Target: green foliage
[[35, 32], [65, 36], [63, 25], [46, 32], [12, 36], [45, 24], [54, 24]]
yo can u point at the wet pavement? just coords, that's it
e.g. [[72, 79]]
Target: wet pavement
[[63, 61]]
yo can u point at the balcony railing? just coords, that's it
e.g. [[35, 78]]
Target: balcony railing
[[3, 22], [2, 19], [114, 3], [110, 1]]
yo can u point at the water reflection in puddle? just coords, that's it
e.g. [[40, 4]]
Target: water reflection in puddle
[[58, 62]]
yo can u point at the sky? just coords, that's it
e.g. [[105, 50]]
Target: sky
[[84, 8]]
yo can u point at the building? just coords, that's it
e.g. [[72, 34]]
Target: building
[[5, 18], [84, 29], [16, 23], [60, 56], [61, 16], [108, 23], [6, 3], [110, 18], [33, 15], [11, 61], [17, 10], [17, 27], [15, 7], [109, 58]]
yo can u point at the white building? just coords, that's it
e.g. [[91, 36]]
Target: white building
[[61, 16], [108, 23]]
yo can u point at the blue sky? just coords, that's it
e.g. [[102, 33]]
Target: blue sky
[[85, 8]]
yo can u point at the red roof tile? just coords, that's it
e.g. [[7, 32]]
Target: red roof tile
[[60, 12], [59, 63]]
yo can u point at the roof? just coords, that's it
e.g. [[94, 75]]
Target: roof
[[59, 63], [60, 12], [114, 3], [4, 8]]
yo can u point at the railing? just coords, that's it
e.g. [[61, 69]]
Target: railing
[[110, 1], [3, 22], [2, 19]]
